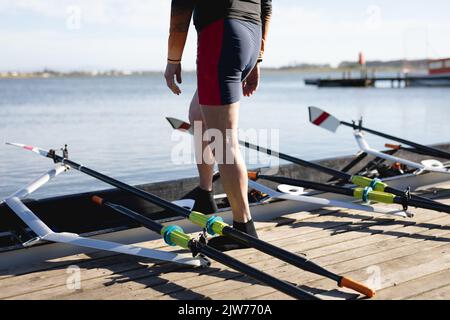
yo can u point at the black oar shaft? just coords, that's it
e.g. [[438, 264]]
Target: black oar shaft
[[309, 184], [402, 194], [429, 150], [304, 163], [218, 256], [418, 203], [143, 220], [330, 171], [283, 255], [256, 274], [137, 192]]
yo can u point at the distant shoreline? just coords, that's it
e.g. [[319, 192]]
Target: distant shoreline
[[397, 66], [43, 75]]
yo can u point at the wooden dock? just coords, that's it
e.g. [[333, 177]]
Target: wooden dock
[[401, 258]]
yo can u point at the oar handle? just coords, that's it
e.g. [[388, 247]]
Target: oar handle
[[356, 286], [393, 146], [97, 200], [253, 175]]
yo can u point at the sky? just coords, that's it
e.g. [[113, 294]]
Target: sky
[[132, 34]]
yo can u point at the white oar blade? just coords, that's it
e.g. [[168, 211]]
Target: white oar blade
[[29, 148], [323, 119], [179, 124]]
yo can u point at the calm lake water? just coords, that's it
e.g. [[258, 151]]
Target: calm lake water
[[118, 126]]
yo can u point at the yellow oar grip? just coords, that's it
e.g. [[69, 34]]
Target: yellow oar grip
[[204, 221], [174, 235], [376, 196], [358, 287], [366, 182]]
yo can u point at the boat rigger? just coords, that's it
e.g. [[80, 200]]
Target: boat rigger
[[44, 233]]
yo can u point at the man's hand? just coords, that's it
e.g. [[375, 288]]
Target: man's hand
[[173, 71], [251, 83]]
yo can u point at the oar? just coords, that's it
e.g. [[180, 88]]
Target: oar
[[375, 184], [212, 224], [325, 120], [397, 147], [365, 194], [174, 235], [364, 146], [318, 201]]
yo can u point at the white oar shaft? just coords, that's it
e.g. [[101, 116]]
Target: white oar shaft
[[364, 146], [36, 184]]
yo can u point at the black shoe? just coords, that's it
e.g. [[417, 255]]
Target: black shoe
[[204, 201], [223, 243]]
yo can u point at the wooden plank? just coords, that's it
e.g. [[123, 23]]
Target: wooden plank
[[172, 281], [424, 258], [441, 293], [107, 282], [245, 293], [78, 259], [415, 287]]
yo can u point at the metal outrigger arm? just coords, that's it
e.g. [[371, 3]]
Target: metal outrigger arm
[[44, 233]]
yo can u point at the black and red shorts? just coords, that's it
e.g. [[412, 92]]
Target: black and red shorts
[[228, 50]]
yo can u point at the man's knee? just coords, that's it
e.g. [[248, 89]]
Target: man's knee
[[195, 113]]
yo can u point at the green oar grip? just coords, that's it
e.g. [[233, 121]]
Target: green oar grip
[[204, 221], [174, 235], [376, 196], [367, 182]]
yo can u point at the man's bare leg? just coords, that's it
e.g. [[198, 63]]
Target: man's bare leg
[[233, 174], [204, 195], [205, 159]]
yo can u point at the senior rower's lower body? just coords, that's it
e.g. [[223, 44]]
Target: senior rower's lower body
[[228, 50]]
